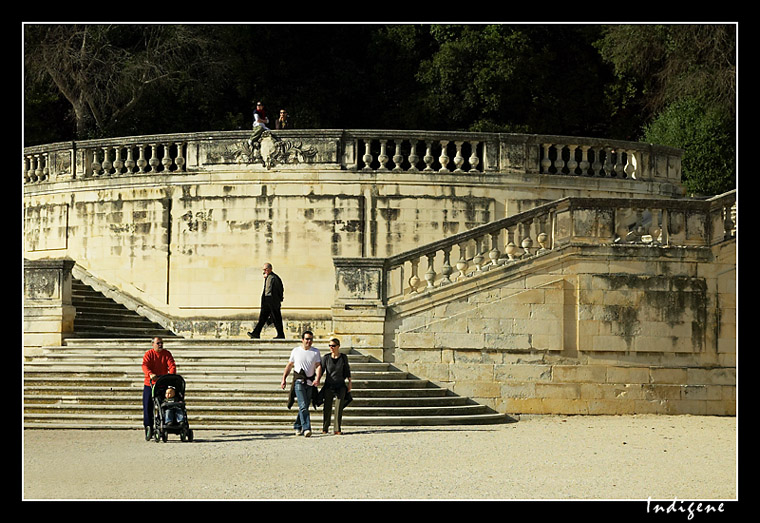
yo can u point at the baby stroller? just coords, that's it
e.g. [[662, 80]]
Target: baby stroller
[[162, 429]]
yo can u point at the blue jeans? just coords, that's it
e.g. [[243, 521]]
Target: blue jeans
[[303, 395], [174, 415]]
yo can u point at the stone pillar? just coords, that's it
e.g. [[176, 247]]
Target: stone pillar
[[48, 313], [359, 308]]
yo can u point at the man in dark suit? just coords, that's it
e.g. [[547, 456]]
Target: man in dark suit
[[271, 298]]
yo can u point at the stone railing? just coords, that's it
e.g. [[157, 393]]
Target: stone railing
[[378, 151], [576, 221]]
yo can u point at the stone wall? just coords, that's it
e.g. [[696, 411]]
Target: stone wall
[[598, 330], [186, 230]]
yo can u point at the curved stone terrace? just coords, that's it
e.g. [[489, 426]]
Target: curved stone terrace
[[357, 150]]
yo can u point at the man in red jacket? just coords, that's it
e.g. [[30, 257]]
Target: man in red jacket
[[156, 362]]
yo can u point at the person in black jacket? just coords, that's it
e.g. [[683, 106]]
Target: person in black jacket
[[336, 370], [271, 299]]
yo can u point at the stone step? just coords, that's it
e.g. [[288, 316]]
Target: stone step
[[249, 411], [268, 423], [274, 399], [75, 389], [94, 380], [99, 316], [204, 383]]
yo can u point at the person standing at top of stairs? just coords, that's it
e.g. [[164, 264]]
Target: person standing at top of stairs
[[271, 299]]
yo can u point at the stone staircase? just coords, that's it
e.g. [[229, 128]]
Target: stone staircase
[[100, 317], [96, 382]]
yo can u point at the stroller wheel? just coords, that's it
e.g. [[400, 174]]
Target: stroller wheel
[[190, 435]]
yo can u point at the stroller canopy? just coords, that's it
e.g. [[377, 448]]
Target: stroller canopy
[[166, 381]]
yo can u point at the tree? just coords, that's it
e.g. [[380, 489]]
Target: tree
[[706, 136], [683, 77], [106, 71], [517, 78]]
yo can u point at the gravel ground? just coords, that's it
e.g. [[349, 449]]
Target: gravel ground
[[539, 457]]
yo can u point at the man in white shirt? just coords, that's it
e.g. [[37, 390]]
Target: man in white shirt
[[307, 363]]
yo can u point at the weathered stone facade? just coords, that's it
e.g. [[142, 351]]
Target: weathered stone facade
[[572, 335], [184, 222], [601, 318], [531, 273]]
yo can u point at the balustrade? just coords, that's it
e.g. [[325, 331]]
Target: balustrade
[[104, 158], [145, 158], [376, 151], [595, 161], [577, 221], [419, 154]]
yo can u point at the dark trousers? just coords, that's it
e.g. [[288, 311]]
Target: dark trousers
[[270, 307], [148, 406], [330, 393]]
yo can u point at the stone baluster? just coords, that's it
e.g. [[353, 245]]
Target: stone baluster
[[27, 169], [367, 158], [129, 163], [446, 268], [655, 228], [728, 221], [665, 228], [154, 162], [46, 172], [462, 263], [607, 166], [107, 165], [630, 165], [383, 157], [478, 258], [546, 163], [430, 273], [118, 163], [33, 160], [414, 279], [95, 163], [167, 161], [443, 159], [474, 160], [428, 159], [618, 167], [458, 158], [180, 160], [527, 241], [397, 158], [142, 162], [596, 167], [559, 163], [542, 240], [510, 248], [494, 255], [584, 163], [543, 237], [572, 163], [413, 158]]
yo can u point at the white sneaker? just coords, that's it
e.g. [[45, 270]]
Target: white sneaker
[[299, 433], [307, 433]]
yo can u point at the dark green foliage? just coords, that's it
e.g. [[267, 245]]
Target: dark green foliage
[[625, 82]]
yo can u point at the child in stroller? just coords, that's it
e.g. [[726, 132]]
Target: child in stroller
[[173, 407], [169, 414]]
